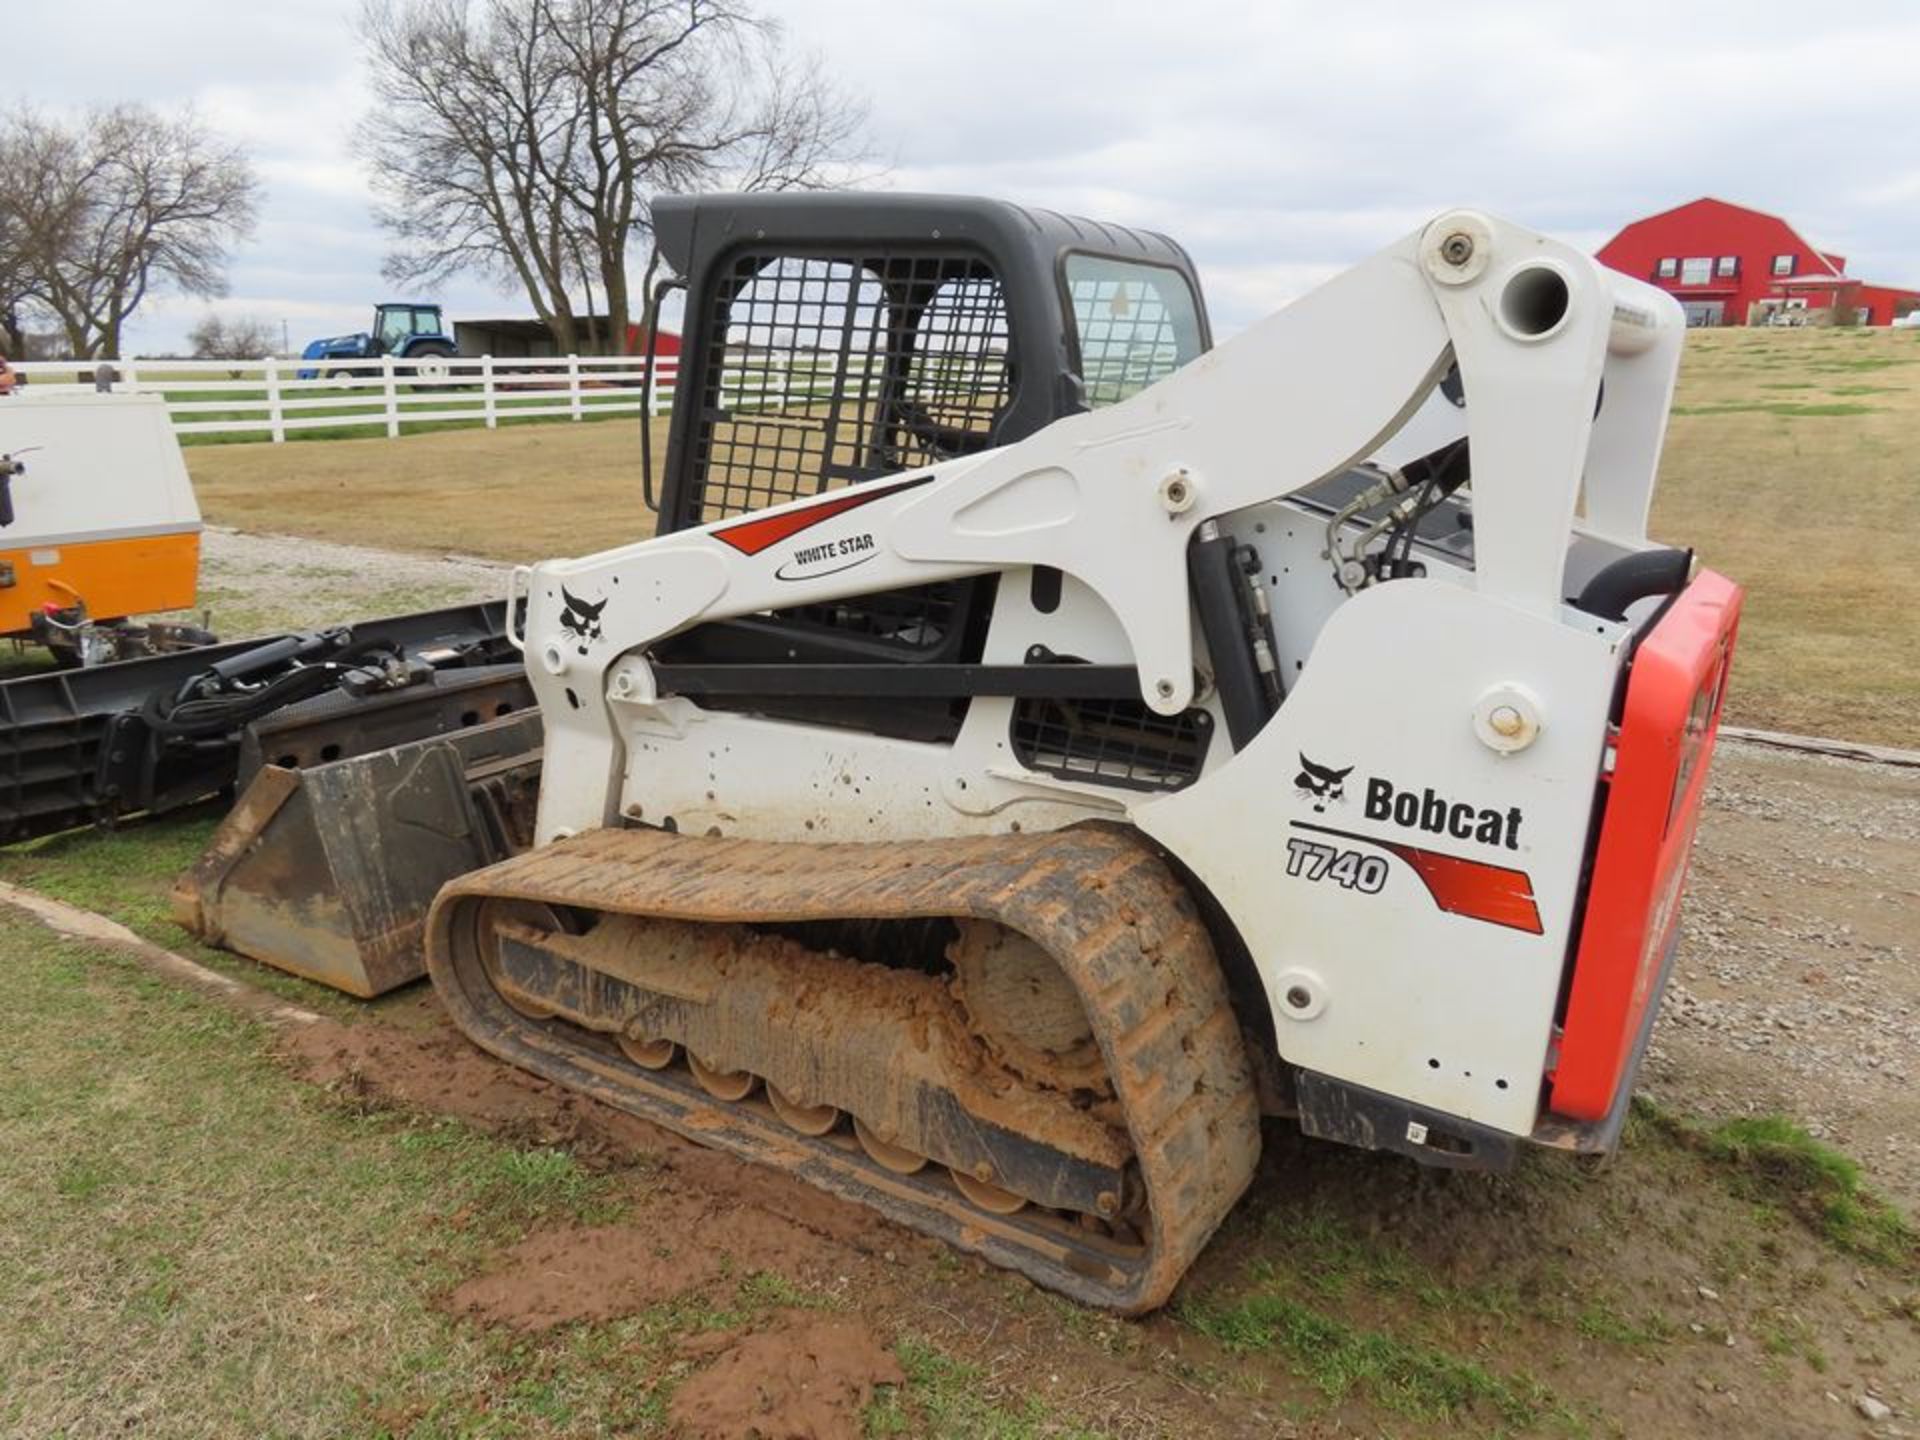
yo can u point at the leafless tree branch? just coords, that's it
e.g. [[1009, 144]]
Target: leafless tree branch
[[524, 139], [96, 216]]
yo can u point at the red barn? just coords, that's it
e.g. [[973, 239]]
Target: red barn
[[1728, 265], [666, 344]]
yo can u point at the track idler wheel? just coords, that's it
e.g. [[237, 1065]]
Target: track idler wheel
[[807, 1119]]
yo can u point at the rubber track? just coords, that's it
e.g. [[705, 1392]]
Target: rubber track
[[1096, 897]]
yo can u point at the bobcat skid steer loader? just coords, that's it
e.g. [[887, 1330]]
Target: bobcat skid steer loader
[[1038, 742]]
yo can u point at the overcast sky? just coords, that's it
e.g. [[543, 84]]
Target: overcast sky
[[1280, 142]]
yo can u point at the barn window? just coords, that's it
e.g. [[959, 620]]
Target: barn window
[[1696, 270], [1783, 264], [1727, 266], [1669, 267]]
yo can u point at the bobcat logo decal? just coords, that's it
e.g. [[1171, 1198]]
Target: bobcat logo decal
[[1320, 784], [580, 621]]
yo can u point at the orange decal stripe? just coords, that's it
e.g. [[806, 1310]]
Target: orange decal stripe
[[1473, 888], [752, 535]]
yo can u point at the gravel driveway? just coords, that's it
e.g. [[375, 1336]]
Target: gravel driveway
[[256, 584], [1796, 987]]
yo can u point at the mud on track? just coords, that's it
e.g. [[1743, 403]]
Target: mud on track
[[1594, 1286]]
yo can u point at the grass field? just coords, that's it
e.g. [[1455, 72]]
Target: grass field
[[198, 1245], [519, 494], [1792, 464], [193, 1241]]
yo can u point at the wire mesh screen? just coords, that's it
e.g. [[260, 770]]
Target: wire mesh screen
[[1115, 742], [831, 371], [1136, 324]]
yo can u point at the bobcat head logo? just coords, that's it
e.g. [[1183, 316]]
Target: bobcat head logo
[[1320, 784], [580, 621]]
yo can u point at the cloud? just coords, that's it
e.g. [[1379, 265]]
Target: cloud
[[1280, 142]]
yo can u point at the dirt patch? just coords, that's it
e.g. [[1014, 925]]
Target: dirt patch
[[588, 1273], [693, 1231], [257, 584], [807, 1377], [414, 1059], [425, 1064], [705, 1215], [806, 1206]]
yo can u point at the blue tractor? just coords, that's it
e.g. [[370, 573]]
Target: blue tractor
[[415, 333]]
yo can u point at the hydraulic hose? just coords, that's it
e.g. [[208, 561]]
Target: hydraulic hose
[[224, 709], [1634, 577]]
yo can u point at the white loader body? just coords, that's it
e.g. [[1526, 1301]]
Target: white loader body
[[1412, 921]]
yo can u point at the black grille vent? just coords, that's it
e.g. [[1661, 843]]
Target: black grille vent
[[1111, 742], [830, 371]]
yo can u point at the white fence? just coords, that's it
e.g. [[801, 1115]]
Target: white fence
[[269, 399]]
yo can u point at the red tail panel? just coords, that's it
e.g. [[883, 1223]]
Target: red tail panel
[[1667, 726]]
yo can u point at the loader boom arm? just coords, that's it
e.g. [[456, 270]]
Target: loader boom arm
[[1113, 497]]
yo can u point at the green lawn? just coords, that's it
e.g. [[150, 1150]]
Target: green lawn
[[1790, 466], [195, 1241]]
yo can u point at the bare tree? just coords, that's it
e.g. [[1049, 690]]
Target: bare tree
[[14, 287], [13, 311], [100, 215], [216, 337], [524, 139], [35, 226]]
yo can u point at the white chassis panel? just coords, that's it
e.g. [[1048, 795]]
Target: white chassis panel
[[1376, 983]]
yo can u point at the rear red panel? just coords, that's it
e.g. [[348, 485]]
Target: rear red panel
[[1667, 726]]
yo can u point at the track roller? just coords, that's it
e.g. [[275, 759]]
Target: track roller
[[648, 1054], [807, 1119], [897, 1158], [727, 1085], [988, 1196]]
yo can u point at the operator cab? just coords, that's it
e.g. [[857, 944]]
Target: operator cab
[[837, 338], [396, 325], [832, 339]]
